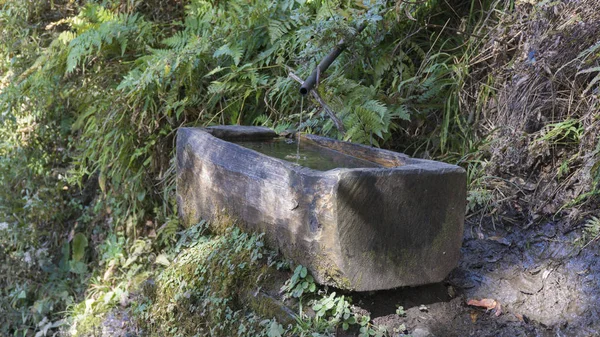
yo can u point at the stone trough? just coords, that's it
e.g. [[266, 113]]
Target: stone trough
[[380, 220]]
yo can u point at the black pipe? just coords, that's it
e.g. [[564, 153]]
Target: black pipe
[[310, 81]]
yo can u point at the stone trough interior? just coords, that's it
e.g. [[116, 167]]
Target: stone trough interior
[[305, 153]]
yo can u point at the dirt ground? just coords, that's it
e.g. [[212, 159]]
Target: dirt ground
[[544, 284]]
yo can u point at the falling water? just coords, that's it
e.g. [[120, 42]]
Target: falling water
[[299, 129]]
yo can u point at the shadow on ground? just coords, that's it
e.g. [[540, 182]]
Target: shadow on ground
[[546, 286]]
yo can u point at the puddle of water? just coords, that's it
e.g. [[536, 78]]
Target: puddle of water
[[307, 155]]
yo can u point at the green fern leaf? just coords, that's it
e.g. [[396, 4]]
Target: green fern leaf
[[235, 52]]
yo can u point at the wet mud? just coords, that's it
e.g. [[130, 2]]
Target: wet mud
[[543, 283]]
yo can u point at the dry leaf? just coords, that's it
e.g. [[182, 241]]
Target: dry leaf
[[500, 240], [487, 303], [474, 315], [519, 317], [112, 265]]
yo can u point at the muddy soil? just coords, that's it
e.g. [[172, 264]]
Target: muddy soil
[[544, 284]]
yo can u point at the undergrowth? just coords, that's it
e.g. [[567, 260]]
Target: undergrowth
[[216, 283], [92, 94]]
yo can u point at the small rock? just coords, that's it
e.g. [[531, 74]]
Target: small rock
[[124, 300], [422, 332]]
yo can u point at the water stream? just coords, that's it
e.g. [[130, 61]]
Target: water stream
[[305, 153], [299, 129]]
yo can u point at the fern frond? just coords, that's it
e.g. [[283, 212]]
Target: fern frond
[[235, 52], [178, 41], [277, 29]]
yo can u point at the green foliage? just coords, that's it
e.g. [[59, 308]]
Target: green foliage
[[400, 311], [332, 312], [91, 96], [591, 233], [567, 132], [592, 230], [588, 57], [80, 243], [207, 282], [299, 284], [207, 287], [100, 32], [337, 308]]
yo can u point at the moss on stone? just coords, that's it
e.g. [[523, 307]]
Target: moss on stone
[[327, 273], [203, 290]]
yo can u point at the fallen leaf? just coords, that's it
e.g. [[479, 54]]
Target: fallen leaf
[[487, 303], [500, 240], [519, 317], [474, 315]]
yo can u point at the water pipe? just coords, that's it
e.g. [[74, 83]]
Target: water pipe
[[311, 80]]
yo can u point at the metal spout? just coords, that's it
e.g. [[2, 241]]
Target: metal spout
[[313, 78]]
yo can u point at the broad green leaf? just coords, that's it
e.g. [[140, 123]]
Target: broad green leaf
[[80, 243], [78, 267]]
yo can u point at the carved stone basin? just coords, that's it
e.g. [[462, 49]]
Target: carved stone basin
[[370, 219]]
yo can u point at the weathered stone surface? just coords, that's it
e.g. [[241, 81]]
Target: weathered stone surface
[[361, 229], [238, 132]]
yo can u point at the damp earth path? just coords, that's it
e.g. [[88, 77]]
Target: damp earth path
[[545, 285]]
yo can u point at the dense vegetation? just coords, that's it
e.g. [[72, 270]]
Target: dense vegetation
[[92, 93]]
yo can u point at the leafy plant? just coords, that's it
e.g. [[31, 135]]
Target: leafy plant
[[208, 277], [567, 132], [336, 308], [301, 283], [91, 96], [591, 232], [400, 311]]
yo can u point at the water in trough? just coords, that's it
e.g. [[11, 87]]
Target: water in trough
[[306, 154]]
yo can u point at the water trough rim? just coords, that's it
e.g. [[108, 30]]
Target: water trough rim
[[410, 163]]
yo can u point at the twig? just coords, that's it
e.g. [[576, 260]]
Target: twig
[[338, 123], [458, 31]]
